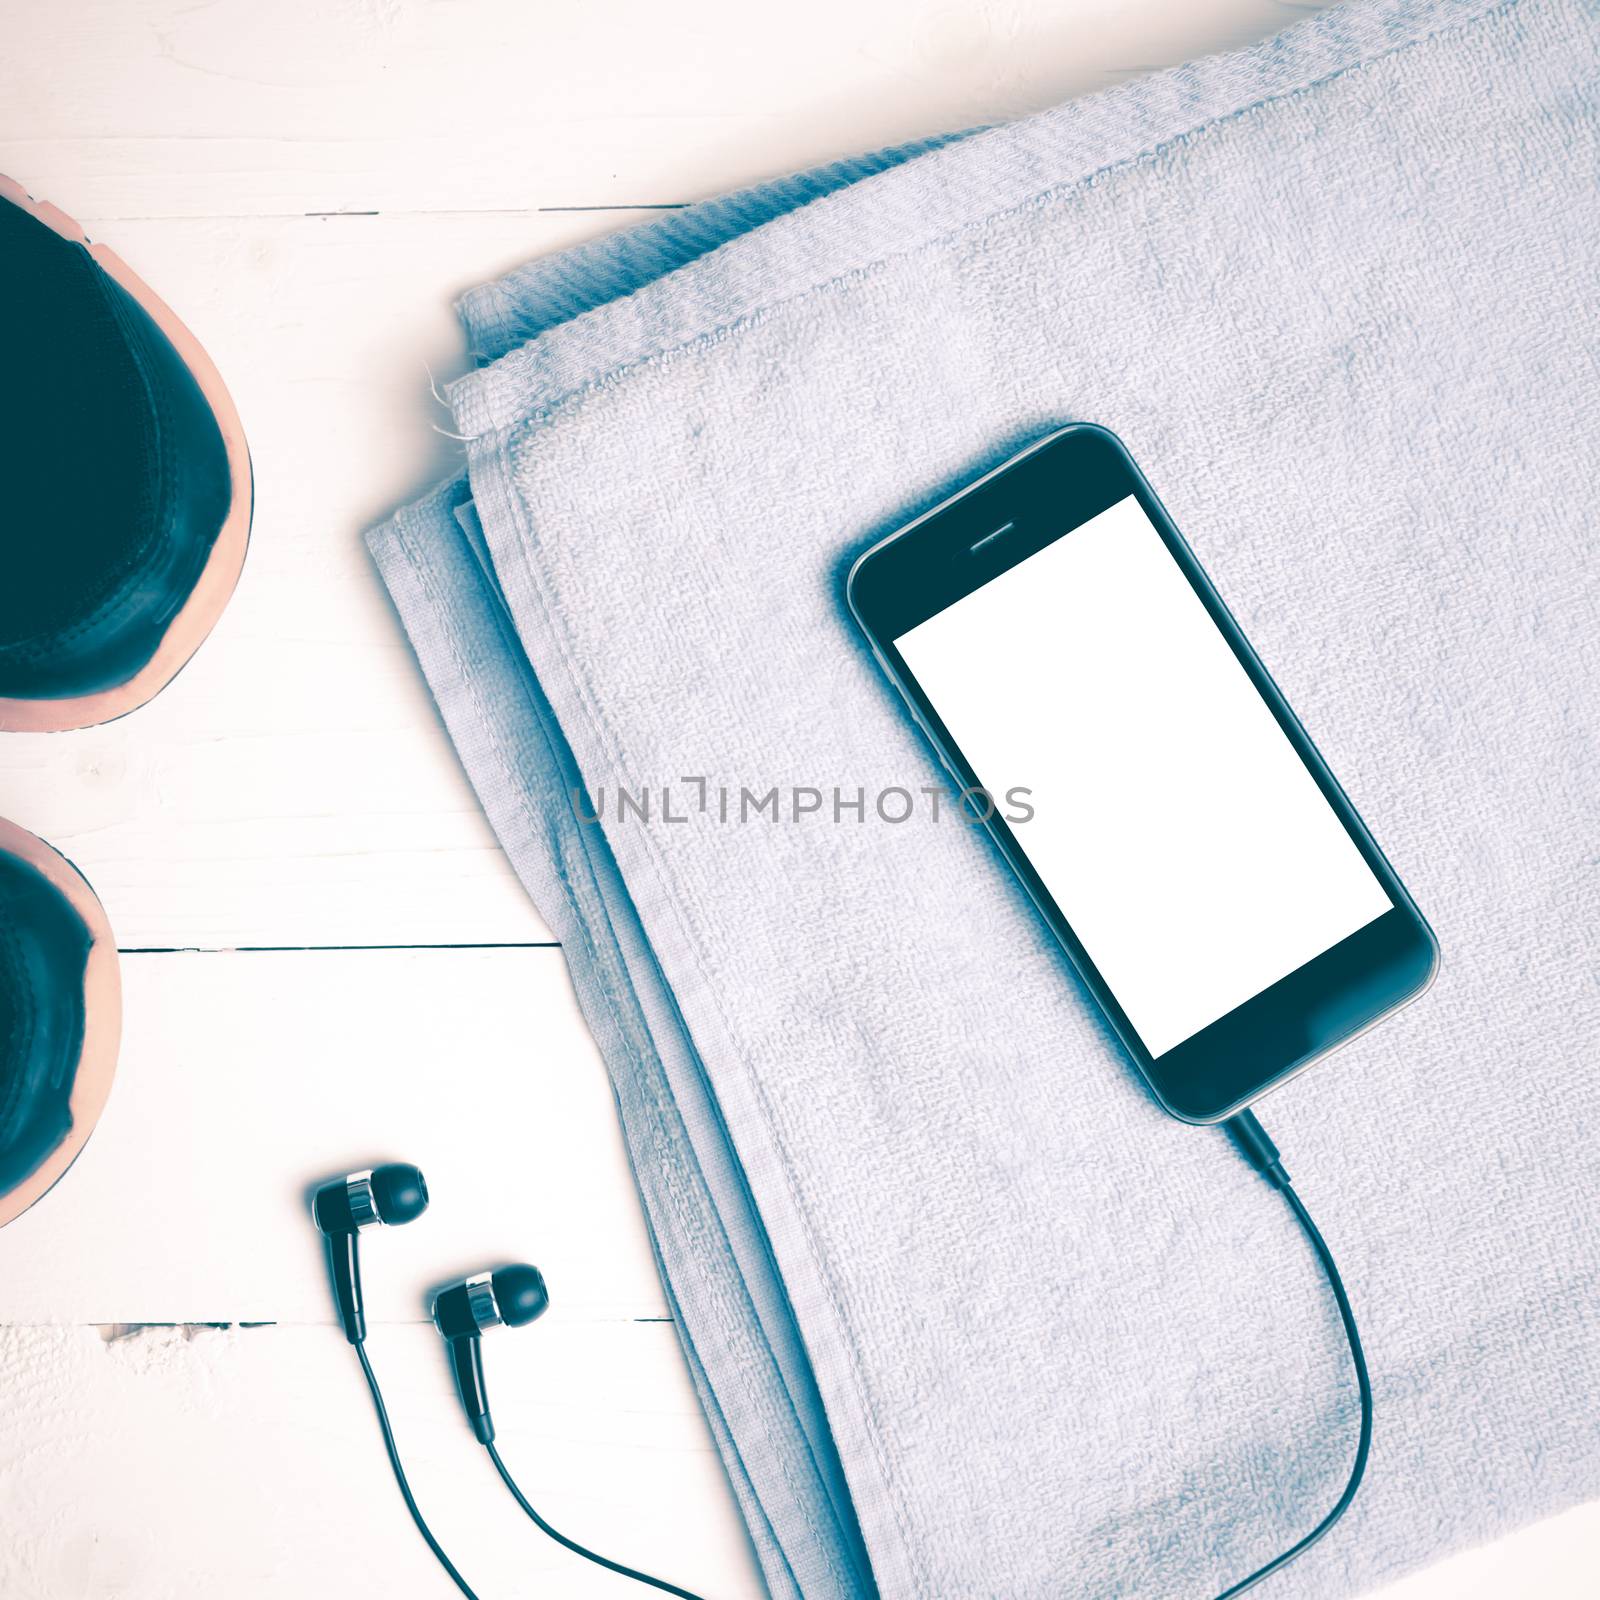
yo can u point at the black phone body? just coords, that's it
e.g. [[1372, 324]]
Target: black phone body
[[1215, 889]]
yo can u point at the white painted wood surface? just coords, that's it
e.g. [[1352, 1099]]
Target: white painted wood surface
[[183, 1463], [310, 183], [247, 1078]]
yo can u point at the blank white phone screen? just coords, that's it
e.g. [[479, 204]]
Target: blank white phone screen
[[1174, 824]]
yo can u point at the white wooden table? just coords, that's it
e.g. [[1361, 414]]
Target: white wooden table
[[321, 934]]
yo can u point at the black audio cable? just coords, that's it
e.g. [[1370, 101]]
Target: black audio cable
[[572, 1544], [1262, 1154], [510, 1483], [400, 1475]]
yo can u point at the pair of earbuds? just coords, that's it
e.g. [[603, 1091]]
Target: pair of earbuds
[[390, 1196]]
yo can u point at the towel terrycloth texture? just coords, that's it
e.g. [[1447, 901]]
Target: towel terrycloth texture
[[968, 1314]]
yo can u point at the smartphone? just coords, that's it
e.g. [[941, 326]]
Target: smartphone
[[1052, 633]]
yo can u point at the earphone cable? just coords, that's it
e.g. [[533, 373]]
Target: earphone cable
[[572, 1544], [400, 1475], [1262, 1154]]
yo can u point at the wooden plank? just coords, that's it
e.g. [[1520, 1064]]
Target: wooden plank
[[174, 109], [246, 1079], [247, 1462]]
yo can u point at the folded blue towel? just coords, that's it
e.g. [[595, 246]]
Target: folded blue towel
[[969, 1316]]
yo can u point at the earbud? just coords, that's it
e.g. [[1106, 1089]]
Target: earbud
[[513, 1296], [393, 1194]]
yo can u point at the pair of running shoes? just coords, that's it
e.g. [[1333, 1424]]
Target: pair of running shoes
[[125, 519]]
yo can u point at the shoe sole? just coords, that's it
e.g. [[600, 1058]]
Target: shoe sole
[[102, 1016], [221, 573]]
